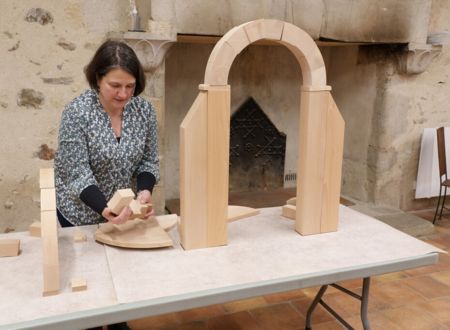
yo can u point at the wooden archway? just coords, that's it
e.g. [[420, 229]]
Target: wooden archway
[[204, 140]]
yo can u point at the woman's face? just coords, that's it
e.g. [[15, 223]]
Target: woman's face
[[115, 89]]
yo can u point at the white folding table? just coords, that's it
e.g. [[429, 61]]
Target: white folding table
[[264, 255]]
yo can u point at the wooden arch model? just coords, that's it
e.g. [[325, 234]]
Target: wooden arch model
[[204, 140]]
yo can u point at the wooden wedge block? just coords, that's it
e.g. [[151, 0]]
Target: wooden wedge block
[[9, 247], [139, 210], [236, 212], [78, 284], [79, 236], [120, 199], [292, 201], [46, 178], [134, 234], [288, 211], [35, 229]]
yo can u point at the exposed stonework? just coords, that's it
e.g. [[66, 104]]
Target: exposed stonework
[[45, 153], [67, 45], [4, 104], [58, 80], [30, 98], [13, 48], [39, 15]]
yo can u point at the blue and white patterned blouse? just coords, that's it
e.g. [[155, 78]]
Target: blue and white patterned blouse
[[89, 153]]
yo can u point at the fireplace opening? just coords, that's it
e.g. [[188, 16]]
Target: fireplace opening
[[257, 150]]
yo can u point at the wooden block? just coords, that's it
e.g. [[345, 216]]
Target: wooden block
[[218, 144], [167, 221], [120, 199], [270, 29], [49, 233], [321, 140], [9, 247], [307, 54], [139, 210], [46, 178], [288, 211], [35, 229], [134, 234], [193, 167], [292, 201], [79, 236], [48, 199], [236, 212], [78, 284]]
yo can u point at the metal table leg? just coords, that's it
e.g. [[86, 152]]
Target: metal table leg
[[364, 298]]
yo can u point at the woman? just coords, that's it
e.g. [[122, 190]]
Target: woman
[[107, 139]]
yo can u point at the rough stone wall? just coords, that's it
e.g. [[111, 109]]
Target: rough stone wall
[[43, 52]]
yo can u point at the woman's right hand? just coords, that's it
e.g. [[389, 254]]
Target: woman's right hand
[[123, 216]]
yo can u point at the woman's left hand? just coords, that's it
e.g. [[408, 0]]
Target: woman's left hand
[[145, 197]]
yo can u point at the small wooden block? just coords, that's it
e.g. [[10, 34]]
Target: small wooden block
[[35, 229], [79, 236], [9, 247], [46, 178], [78, 284], [239, 212], [292, 201], [139, 210], [288, 211], [120, 199], [48, 199]]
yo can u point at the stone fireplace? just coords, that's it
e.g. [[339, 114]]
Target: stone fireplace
[[257, 150]]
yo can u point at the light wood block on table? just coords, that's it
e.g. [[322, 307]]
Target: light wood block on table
[[78, 284], [46, 178], [9, 247], [49, 232], [134, 234], [35, 229], [120, 199]]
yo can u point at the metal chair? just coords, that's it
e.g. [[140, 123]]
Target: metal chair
[[444, 181]]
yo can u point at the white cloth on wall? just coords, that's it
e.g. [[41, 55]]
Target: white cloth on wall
[[428, 183]]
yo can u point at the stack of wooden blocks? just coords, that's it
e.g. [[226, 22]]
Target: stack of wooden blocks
[[49, 232]]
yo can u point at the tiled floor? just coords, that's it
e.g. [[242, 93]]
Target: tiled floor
[[412, 299]]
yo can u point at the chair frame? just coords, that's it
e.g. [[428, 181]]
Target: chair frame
[[440, 134]]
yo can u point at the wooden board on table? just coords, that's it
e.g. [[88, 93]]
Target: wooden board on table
[[134, 234]]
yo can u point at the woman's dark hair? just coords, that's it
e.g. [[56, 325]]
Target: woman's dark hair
[[115, 55]]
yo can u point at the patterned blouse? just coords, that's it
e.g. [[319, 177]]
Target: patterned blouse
[[89, 153]]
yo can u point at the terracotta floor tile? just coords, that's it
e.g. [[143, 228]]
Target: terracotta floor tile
[[278, 317], [284, 296], [438, 308], [412, 318], [154, 322], [392, 294], [443, 277], [377, 320], [389, 277], [330, 325], [245, 304], [235, 321], [201, 313], [319, 315], [428, 287], [196, 325]]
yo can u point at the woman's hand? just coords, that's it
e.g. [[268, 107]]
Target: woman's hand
[[123, 216], [145, 197]]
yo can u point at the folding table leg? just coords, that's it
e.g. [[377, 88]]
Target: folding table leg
[[364, 298]]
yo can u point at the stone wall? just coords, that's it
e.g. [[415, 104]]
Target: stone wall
[[44, 46], [44, 52]]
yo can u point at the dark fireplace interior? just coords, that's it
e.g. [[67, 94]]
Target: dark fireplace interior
[[257, 150]]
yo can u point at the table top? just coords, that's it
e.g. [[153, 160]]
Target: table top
[[264, 255]]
